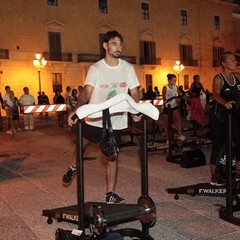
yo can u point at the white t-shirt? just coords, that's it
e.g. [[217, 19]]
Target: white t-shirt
[[109, 81], [7, 98], [171, 92], [26, 100]]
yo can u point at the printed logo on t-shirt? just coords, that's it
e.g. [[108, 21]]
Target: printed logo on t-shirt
[[113, 91], [123, 85]]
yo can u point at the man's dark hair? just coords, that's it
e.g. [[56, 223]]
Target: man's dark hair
[[7, 87], [110, 35]]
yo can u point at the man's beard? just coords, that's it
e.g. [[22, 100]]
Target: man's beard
[[116, 54]]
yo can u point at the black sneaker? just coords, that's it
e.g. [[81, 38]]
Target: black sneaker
[[113, 198], [217, 181], [69, 174]]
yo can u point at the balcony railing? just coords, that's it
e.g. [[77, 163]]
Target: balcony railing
[[95, 57], [189, 62], [4, 54], [58, 56], [150, 61]]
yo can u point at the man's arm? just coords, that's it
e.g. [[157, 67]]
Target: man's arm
[[216, 87], [135, 94], [83, 98]]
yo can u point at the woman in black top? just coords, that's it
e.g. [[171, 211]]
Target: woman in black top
[[59, 99], [225, 92]]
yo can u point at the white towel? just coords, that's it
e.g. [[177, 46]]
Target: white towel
[[120, 103]]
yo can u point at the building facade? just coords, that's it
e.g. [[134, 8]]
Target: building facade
[[157, 33]]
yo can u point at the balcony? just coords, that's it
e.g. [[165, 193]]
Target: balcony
[[58, 56], [150, 61], [4, 54], [189, 62], [97, 57]]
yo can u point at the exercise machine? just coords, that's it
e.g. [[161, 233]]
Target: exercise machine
[[99, 216], [230, 191], [232, 187], [176, 146]]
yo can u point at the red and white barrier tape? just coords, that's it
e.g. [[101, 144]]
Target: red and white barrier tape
[[155, 102], [45, 108], [158, 102], [145, 101]]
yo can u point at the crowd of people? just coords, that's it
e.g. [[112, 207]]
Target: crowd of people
[[13, 106]]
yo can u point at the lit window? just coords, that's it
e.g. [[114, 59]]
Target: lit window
[[183, 17], [145, 11], [52, 2], [216, 22], [102, 6]]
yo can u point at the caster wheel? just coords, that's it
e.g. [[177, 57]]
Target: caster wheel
[[176, 197], [49, 221]]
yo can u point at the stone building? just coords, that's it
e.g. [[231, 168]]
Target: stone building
[[156, 33]]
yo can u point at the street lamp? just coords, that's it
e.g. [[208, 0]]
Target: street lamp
[[39, 63], [178, 67]]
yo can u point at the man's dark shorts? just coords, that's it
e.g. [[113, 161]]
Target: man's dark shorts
[[165, 110], [94, 134]]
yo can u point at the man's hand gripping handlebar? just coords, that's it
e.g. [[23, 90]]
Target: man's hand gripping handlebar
[[72, 118]]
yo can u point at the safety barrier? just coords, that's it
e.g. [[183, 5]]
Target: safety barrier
[[45, 108], [157, 102]]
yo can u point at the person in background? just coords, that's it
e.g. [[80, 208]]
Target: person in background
[[182, 104], [197, 111], [39, 102], [27, 100], [59, 99], [149, 95], [171, 90], [225, 92], [67, 101], [142, 94], [73, 99], [1, 100], [15, 113], [156, 93], [105, 79], [8, 105], [45, 101]]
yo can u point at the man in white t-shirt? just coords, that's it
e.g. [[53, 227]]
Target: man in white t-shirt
[[105, 79], [26, 100]]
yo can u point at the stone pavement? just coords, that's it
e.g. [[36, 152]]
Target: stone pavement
[[31, 167]]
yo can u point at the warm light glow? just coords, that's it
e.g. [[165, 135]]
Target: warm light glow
[[38, 56], [39, 62], [178, 67]]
